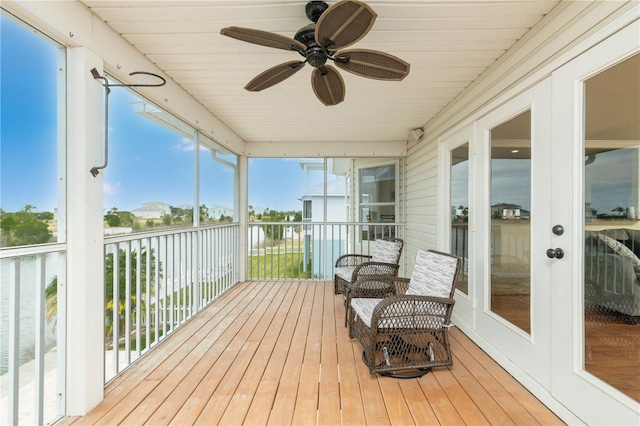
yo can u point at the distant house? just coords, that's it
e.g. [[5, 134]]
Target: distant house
[[509, 211], [313, 198], [313, 210], [216, 210], [152, 210]]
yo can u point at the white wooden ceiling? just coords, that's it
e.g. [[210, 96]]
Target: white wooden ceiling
[[448, 43]]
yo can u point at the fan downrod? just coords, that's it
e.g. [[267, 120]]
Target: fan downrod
[[314, 9]]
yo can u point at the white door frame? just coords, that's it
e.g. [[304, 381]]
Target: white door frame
[[463, 311]]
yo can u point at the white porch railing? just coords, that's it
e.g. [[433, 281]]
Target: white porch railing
[[154, 283], [308, 250], [157, 281], [32, 334]]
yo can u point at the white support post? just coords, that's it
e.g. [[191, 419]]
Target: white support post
[[85, 245], [242, 184]]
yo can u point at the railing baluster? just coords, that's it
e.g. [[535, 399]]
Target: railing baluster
[[147, 320], [138, 309], [39, 343], [115, 314], [127, 303], [14, 341]]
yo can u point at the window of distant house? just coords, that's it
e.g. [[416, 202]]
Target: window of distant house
[[150, 181], [306, 211], [218, 183], [377, 197], [32, 114]]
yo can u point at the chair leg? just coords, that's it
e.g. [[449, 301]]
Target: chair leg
[[347, 302]]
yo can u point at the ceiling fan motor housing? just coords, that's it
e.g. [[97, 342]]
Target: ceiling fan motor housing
[[314, 9], [315, 55]]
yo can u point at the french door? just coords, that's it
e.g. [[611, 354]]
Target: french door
[[512, 214], [595, 293]]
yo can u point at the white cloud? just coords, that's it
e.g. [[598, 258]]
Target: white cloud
[[185, 145], [112, 188]]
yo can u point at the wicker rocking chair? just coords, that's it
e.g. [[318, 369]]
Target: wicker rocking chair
[[406, 334], [383, 261]]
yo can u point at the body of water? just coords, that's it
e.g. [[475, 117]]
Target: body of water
[[28, 290]]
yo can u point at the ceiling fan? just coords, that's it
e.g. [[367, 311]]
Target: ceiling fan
[[332, 29]]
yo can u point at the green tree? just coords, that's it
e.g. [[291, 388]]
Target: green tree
[[51, 291], [166, 219], [112, 219], [23, 228], [122, 296], [51, 302], [45, 216], [204, 213], [271, 231], [126, 218]]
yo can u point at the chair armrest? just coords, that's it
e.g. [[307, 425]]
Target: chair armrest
[[352, 259], [412, 312], [374, 268], [373, 285]]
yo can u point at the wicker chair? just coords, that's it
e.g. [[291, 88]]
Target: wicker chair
[[384, 261], [406, 334]]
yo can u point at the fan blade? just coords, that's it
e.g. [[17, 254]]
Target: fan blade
[[372, 64], [263, 38], [274, 75], [344, 23], [328, 85]]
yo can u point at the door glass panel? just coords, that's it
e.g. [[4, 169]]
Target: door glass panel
[[460, 212], [377, 201], [510, 220], [612, 227]]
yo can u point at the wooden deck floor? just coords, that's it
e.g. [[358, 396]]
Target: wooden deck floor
[[278, 353]]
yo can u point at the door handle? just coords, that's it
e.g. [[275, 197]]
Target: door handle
[[557, 253]]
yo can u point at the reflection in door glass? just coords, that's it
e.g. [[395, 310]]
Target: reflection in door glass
[[510, 220], [460, 212], [612, 227]]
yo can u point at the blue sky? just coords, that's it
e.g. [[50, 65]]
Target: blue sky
[[147, 162], [28, 120]]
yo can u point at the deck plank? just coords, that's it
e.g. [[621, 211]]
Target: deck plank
[[278, 353], [536, 411], [285, 400], [329, 389], [352, 407], [262, 403], [221, 359], [418, 403], [241, 399], [306, 408]]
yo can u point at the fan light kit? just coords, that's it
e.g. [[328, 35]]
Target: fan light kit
[[332, 29]]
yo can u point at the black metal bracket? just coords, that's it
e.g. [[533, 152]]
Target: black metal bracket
[[107, 90]]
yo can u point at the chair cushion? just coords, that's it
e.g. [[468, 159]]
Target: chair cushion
[[344, 272], [620, 249], [386, 251], [433, 274], [363, 308]]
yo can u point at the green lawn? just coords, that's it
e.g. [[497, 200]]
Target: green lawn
[[278, 266]]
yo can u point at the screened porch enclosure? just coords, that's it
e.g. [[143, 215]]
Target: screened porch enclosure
[[188, 281]]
